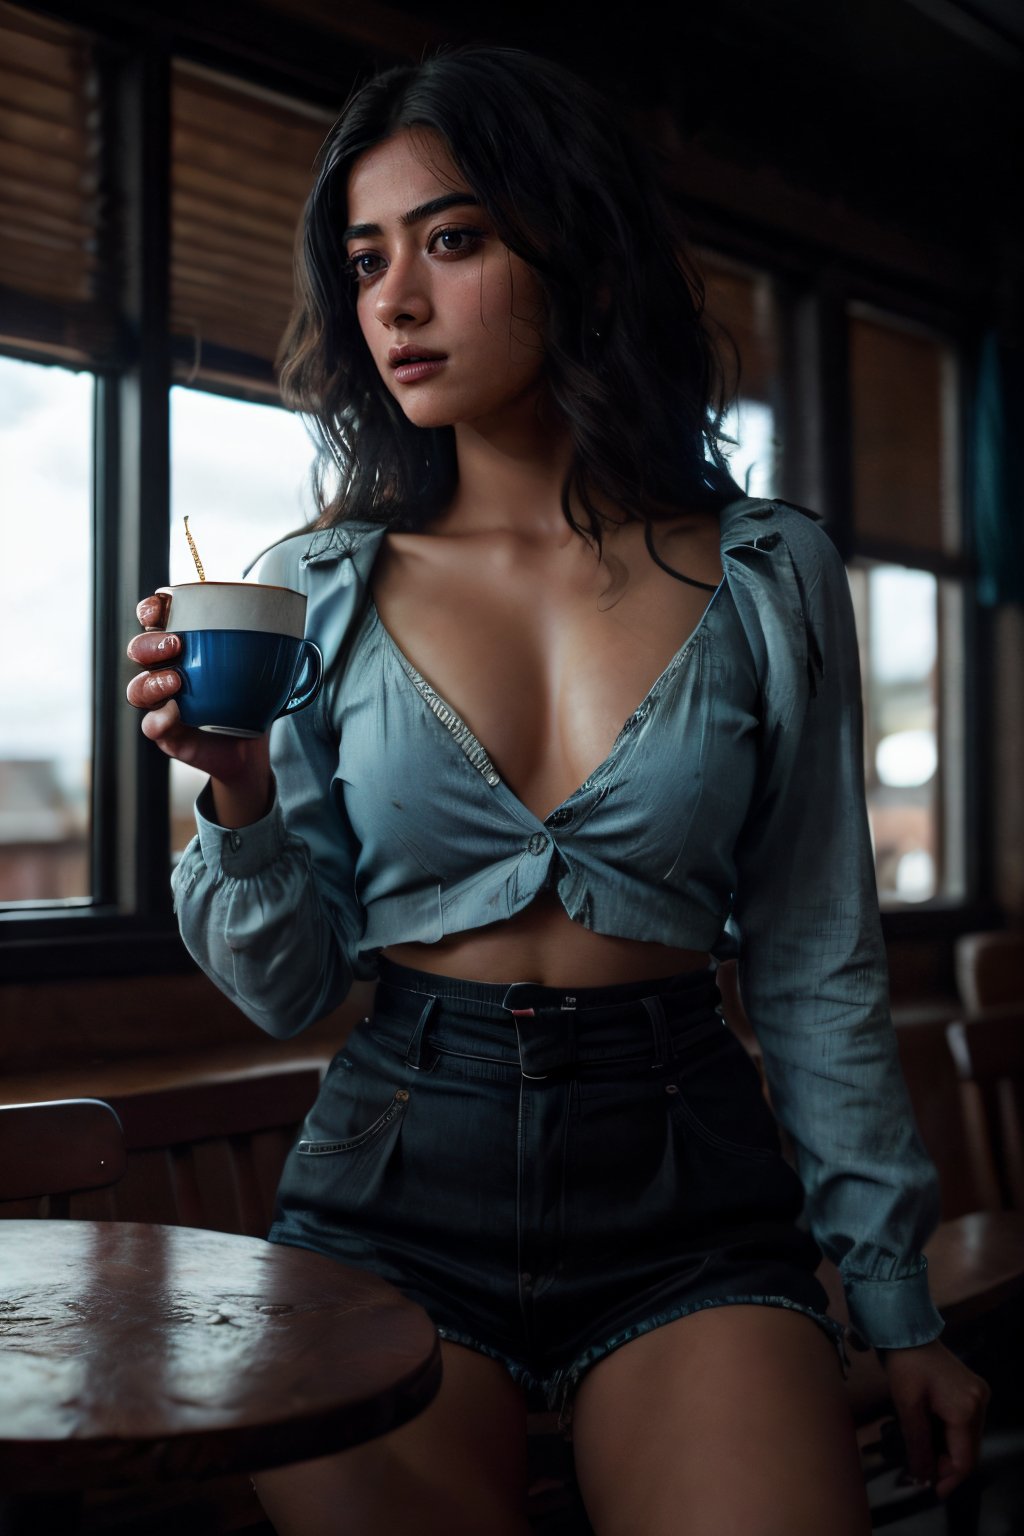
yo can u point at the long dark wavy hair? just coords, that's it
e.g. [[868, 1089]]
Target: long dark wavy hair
[[629, 358]]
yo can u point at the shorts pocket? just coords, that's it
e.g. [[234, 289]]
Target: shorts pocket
[[715, 1090], [311, 1148], [343, 1161]]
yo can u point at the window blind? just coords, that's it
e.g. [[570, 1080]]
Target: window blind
[[49, 183], [742, 302], [242, 166], [903, 412]]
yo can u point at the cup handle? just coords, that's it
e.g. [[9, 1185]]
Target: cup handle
[[306, 687]]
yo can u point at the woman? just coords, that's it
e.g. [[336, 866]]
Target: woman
[[546, 1134]]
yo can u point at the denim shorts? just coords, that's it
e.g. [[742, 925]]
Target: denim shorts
[[552, 1174]]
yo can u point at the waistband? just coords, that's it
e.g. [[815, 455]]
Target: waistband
[[545, 1031]]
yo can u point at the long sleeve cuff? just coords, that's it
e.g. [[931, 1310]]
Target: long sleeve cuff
[[240, 851], [893, 1314]]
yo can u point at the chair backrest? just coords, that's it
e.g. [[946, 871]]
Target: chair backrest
[[989, 1053], [951, 1124], [990, 969], [202, 1149], [57, 1148], [208, 1151]]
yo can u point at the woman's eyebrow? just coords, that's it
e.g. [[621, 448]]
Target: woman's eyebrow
[[414, 215]]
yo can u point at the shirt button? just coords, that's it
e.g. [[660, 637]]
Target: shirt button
[[537, 844], [236, 841], [560, 818]]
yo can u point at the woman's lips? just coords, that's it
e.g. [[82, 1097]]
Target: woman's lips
[[412, 362], [413, 371]]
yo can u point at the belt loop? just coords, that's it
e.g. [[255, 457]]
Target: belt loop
[[553, 1046], [517, 1014], [414, 1055], [659, 1030]]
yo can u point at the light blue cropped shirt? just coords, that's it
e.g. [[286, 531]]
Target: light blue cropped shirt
[[728, 816]]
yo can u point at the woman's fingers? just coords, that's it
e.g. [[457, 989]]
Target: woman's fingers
[[148, 690], [155, 648], [916, 1425], [157, 651], [152, 611], [964, 1426], [963, 1443]]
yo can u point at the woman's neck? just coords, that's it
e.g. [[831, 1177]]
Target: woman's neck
[[511, 474]]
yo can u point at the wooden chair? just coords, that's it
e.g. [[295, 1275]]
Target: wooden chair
[[990, 969], [203, 1149], [55, 1149], [988, 1050], [208, 1152]]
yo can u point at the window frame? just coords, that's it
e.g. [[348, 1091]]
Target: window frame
[[940, 917], [129, 927]]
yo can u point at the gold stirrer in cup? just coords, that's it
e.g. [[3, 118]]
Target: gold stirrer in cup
[[195, 553]]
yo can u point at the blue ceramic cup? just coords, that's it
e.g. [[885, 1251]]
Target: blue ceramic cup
[[244, 659]]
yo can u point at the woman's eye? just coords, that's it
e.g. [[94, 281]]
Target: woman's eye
[[456, 241], [364, 264]]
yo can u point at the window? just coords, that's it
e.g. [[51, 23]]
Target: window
[[908, 581], [46, 633], [913, 743], [150, 210]]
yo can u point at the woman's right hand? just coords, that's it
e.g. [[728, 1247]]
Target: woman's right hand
[[239, 767]]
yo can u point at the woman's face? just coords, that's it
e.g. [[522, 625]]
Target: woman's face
[[452, 318]]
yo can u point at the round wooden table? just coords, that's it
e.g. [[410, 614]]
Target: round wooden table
[[132, 1352]]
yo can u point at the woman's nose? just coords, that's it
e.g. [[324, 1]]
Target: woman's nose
[[400, 299]]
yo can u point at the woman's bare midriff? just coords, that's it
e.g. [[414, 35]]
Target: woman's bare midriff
[[542, 944]]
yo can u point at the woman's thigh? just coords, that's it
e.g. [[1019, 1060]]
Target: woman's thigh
[[732, 1421], [457, 1469]]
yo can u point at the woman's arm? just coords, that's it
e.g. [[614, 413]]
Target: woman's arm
[[812, 964], [268, 909], [814, 982], [269, 920]]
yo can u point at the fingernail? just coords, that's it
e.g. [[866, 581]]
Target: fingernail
[[168, 643]]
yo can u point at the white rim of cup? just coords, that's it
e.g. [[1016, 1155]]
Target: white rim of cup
[[243, 605]]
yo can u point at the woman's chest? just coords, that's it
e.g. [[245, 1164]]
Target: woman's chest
[[543, 672]]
